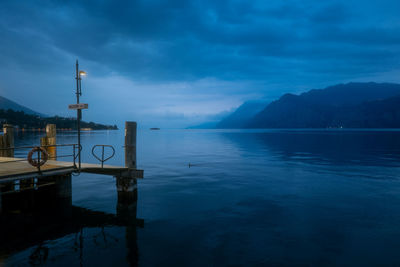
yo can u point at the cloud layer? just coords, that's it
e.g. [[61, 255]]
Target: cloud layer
[[190, 59]]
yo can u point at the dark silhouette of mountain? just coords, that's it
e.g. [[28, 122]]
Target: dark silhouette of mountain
[[240, 117], [349, 94], [6, 104], [204, 125], [374, 114], [352, 105]]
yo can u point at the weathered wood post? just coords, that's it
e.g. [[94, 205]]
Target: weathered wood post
[[126, 185], [50, 141], [127, 193], [130, 144], [8, 140]]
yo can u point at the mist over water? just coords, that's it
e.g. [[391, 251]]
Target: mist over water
[[240, 197]]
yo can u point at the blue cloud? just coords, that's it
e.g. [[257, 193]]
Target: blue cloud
[[273, 46]]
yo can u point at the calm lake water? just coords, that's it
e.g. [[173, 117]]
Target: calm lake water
[[252, 197]]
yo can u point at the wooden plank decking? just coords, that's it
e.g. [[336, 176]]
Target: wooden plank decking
[[19, 168]]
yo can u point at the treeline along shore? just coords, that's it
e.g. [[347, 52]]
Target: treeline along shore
[[28, 122]]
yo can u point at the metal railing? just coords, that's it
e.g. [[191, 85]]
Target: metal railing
[[76, 150], [102, 159]]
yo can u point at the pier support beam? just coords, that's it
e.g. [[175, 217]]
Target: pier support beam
[[126, 214], [127, 190], [49, 140], [127, 185], [38, 195]]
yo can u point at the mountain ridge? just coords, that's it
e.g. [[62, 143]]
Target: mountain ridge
[[242, 114], [6, 104], [342, 105]]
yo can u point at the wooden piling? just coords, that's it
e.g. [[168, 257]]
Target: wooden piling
[[126, 214], [49, 140], [126, 191], [130, 144], [7, 141], [126, 185]]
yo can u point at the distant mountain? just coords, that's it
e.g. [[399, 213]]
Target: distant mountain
[[204, 125], [349, 94], [374, 114], [351, 105], [240, 117], [6, 104], [345, 105]]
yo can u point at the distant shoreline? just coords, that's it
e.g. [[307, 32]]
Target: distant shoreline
[[27, 122], [17, 129]]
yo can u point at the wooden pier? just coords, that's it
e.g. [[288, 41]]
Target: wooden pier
[[19, 168], [36, 190], [29, 218], [17, 174]]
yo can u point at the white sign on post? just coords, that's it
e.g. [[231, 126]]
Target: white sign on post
[[78, 106]]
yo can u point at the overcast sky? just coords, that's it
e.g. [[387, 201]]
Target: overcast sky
[[178, 63]]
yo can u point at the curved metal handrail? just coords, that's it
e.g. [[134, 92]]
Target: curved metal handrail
[[102, 160]]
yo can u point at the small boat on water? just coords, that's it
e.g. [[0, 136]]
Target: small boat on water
[[154, 129]]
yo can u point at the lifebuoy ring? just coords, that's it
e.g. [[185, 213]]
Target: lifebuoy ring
[[43, 158]]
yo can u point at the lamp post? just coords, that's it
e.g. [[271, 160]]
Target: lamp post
[[79, 111]]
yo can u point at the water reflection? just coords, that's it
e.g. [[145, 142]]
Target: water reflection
[[344, 147], [270, 198], [42, 226]]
